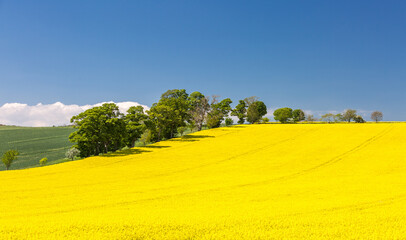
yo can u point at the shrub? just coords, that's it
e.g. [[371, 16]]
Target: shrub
[[125, 148], [146, 137], [72, 153], [43, 161], [265, 120], [359, 119]]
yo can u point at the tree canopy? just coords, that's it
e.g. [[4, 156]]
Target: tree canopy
[[240, 111], [256, 110], [377, 116], [100, 130], [349, 115], [9, 157], [218, 111], [298, 115], [283, 115]]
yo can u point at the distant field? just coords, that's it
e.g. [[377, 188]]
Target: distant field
[[268, 181], [34, 144]]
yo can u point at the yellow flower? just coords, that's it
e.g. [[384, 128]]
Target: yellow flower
[[270, 181]]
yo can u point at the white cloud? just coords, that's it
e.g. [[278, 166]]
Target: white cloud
[[42, 115]]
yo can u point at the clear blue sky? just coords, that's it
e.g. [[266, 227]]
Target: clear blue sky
[[315, 55]]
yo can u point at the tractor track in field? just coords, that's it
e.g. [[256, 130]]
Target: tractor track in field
[[358, 207], [324, 164], [232, 157], [305, 171]]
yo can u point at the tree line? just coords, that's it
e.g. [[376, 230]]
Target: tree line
[[287, 115], [105, 129]]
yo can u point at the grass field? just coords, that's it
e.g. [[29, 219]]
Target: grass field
[[34, 144], [293, 181]]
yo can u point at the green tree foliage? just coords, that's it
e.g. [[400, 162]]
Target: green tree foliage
[[171, 112], [377, 116], [9, 157], [298, 115], [349, 115], [283, 115], [256, 110], [160, 121], [146, 137], [72, 153], [265, 120], [328, 117], [199, 106], [359, 119], [100, 130], [181, 130], [338, 117], [218, 111], [135, 125], [229, 122], [240, 111], [43, 161]]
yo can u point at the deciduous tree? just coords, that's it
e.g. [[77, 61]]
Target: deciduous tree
[[199, 106], [328, 117], [349, 115], [100, 130], [229, 122], [9, 157], [298, 115], [146, 137], [283, 115], [310, 118], [72, 153], [377, 116], [135, 125], [218, 111], [171, 112], [240, 111], [256, 110]]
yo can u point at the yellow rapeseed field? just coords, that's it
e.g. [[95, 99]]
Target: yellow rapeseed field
[[273, 181]]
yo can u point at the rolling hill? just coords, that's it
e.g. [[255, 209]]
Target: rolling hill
[[272, 181], [35, 143]]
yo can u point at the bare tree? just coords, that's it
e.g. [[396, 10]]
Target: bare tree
[[310, 118], [377, 116], [250, 100], [199, 106]]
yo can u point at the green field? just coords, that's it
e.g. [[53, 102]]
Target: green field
[[35, 143]]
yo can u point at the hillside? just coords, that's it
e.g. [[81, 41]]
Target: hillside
[[254, 182], [34, 144]]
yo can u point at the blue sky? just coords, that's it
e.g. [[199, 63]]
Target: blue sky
[[314, 55]]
